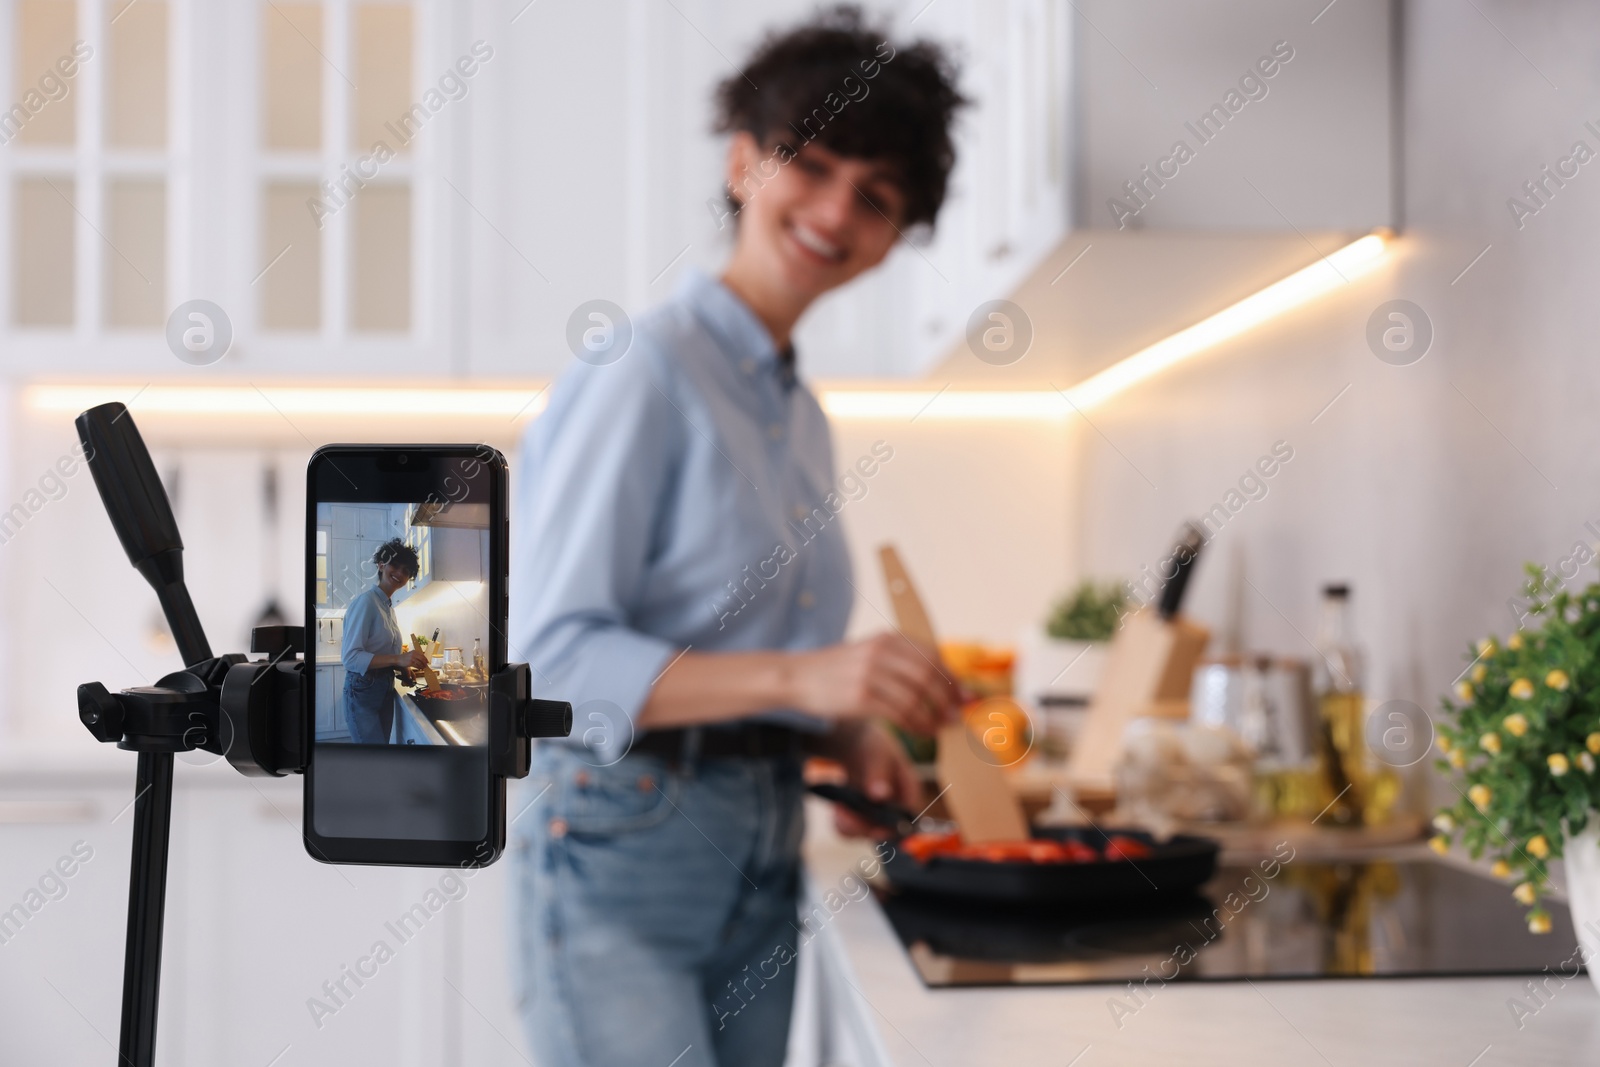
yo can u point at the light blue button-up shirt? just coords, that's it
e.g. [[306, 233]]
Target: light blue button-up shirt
[[370, 630], [679, 498]]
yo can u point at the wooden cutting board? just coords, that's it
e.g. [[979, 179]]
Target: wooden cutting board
[[975, 790]]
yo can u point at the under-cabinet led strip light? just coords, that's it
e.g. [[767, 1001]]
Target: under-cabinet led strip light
[[526, 400], [1301, 287]]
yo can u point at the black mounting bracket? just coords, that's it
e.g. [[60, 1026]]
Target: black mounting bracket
[[255, 712], [516, 718]]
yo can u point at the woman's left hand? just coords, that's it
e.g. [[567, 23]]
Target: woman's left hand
[[876, 764]]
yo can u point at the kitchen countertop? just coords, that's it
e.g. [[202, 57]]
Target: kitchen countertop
[[878, 1012], [889, 1017]]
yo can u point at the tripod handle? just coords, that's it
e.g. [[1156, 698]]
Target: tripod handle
[[140, 513]]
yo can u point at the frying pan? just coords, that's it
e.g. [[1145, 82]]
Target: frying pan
[[1174, 869], [1042, 934]]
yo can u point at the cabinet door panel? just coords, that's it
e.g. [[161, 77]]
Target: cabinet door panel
[[346, 521], [277, 938], [376, 523], [61, 935], [349, 569]]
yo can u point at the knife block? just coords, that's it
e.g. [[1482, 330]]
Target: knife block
[[1148, 671]]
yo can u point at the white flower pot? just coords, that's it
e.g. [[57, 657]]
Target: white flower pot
[[1047, 667], [1583, 893]]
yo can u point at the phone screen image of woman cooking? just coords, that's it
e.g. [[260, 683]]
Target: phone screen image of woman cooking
[[400, 657], [677, 575]]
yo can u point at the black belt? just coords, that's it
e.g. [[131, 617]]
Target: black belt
[[745, 741]]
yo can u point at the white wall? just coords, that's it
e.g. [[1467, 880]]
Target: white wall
[[1428, 485], [981, 513]]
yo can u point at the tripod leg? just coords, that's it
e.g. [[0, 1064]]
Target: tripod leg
[[147, 893]]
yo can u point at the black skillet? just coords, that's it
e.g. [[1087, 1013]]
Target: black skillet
[[1175, 868]]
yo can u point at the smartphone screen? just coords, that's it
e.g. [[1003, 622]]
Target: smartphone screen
[[406, 596]]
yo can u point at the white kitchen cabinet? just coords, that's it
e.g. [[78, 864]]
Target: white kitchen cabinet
[[269, 926], [1008, 196], [420, 540], [516, 214], [61, 966], [329, 691], [254, 928], [354, 533], [1008, 202]]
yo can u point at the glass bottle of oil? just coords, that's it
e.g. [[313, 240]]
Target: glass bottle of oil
[[1356, 789]]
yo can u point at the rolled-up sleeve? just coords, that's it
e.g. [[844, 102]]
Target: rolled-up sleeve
[[355, 651], [594, 475]]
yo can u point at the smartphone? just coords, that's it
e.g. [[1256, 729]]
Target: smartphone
[[406, 551]]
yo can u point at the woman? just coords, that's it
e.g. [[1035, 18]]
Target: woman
[[371, 648], [680, 579]]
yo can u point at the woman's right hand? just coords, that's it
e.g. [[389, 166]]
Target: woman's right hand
[[886, 676]]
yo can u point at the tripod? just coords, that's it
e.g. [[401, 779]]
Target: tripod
[[253, 712]]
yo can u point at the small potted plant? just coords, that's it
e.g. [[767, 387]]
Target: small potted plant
[[1521, 743], [1063, 661]]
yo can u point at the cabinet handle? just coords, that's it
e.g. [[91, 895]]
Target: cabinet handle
[[41, 812]]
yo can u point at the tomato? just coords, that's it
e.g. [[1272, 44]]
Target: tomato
[[995, 851], [1119, 847], [1046, 852], [1031, 851], [924, 847], [1075, 851], [1037, 850]]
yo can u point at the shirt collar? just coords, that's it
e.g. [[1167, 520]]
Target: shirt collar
[[738, 332]]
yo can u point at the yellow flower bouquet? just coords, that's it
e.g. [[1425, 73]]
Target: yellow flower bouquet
[[1521, 741]]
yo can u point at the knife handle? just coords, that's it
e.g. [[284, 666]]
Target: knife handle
[[1184, 553], [889, 816]]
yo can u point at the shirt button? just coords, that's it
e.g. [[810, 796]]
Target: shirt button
[[748, 365], [807, 600], [800, 513], [775, 431], [558, 827]]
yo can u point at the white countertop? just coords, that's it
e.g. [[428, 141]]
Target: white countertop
[[1365, 1022], [896, 1020]]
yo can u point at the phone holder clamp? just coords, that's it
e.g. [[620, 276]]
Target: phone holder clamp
[[515, 719], [254, 712]]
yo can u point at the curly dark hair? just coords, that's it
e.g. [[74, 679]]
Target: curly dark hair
[[841, 82], [395, 550]]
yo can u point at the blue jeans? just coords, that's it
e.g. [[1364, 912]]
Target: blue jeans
[[369, 706], [656, 910]]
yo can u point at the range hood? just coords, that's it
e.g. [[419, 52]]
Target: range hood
[[1218, 149], [452, 515]]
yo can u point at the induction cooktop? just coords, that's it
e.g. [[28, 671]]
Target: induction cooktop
[[1295, 920]]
